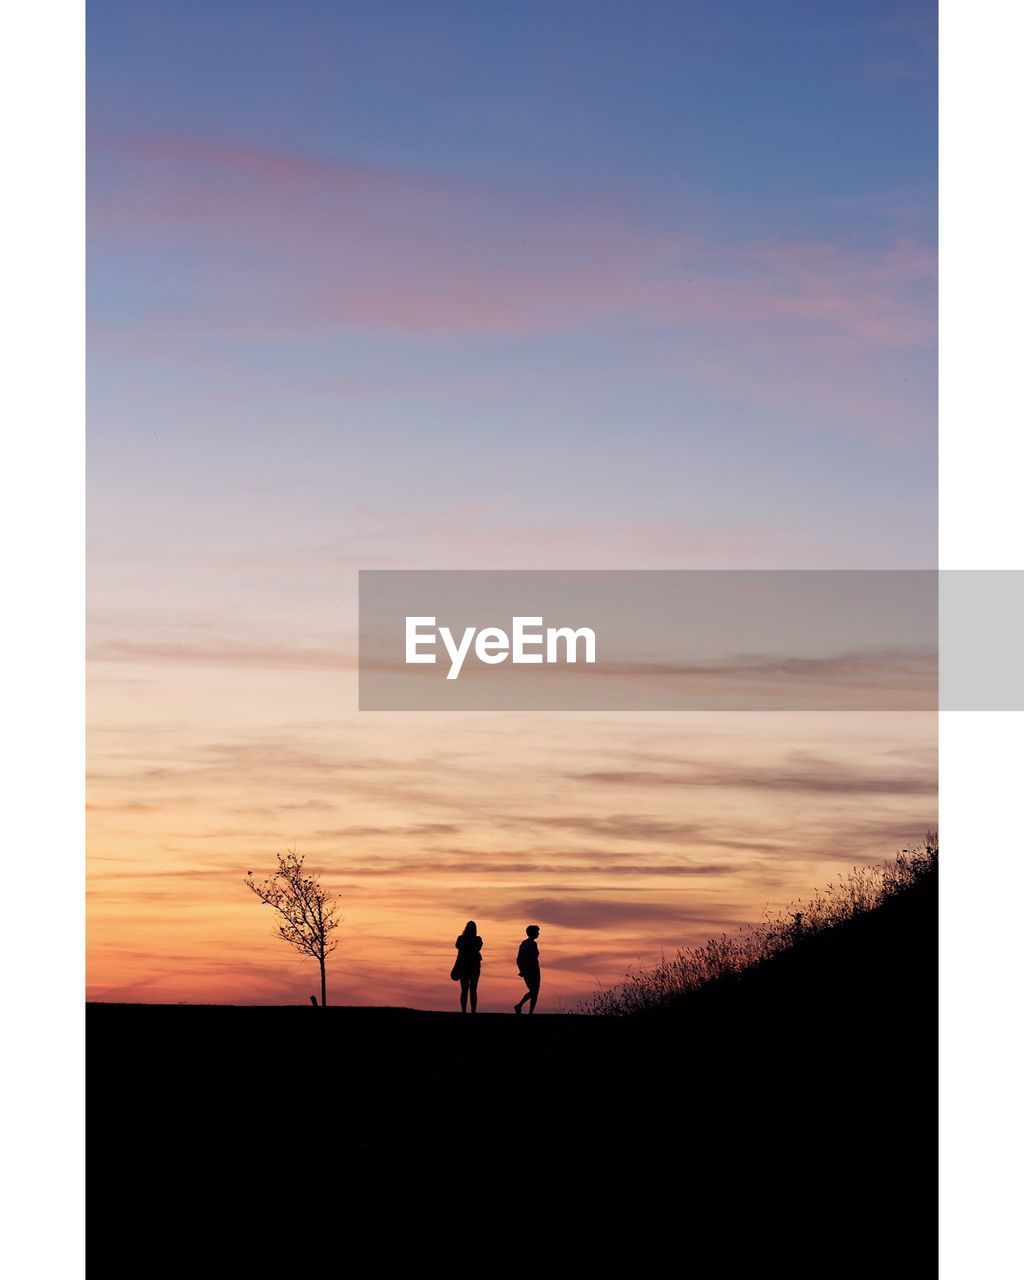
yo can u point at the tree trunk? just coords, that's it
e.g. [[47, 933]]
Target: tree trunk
[[323, 983]]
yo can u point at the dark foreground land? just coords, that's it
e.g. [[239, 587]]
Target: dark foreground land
[[785, 1121]]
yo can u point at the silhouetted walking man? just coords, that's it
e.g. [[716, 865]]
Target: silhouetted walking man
[[528, 961]]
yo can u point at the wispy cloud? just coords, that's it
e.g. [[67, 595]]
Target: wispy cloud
[[277, 244], [801, 773], [414, 251], [600, 913]]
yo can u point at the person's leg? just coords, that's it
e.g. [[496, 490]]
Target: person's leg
[[474, 980], [463, 992], [532, 990]]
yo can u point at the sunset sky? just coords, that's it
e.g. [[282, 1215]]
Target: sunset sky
[[552, 285]]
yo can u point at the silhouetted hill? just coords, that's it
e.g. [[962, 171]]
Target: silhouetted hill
[[872, 971], [782, 1117], [874, 921]]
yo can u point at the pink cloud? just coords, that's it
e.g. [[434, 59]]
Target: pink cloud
[[280, 245], [407, 251]]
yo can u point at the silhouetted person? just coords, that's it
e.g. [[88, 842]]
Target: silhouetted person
[[528, 961], [468, 944]]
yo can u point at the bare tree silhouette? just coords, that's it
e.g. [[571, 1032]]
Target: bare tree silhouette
[[307, 914]]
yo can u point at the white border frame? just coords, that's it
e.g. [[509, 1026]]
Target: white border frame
[[42, 479], [981, 452], [42, 971]]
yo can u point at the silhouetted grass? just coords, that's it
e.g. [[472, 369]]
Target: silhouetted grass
[[691, 969]]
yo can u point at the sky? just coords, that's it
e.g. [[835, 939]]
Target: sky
[[616, 286]]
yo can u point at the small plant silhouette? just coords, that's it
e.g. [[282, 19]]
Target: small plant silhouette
[[307, 914]]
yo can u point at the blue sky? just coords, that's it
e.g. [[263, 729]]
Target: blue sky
[[775, 113]]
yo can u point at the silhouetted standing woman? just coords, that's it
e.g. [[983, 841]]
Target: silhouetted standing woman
[[468, 944]]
